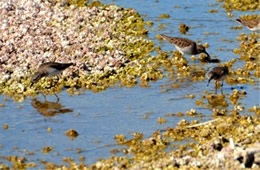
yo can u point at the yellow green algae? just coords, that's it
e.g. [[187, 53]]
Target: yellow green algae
[[224, 137], [164, 16], [184, 28], [245, 5]]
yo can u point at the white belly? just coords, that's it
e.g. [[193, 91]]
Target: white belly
[[186, 50], [53, 71]]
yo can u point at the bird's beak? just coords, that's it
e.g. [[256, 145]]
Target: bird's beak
[[208, 83], [32, 83], [207, 59], [210, 78], [207, 54]]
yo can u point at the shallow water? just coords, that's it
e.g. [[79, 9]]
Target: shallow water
[[98, 117]]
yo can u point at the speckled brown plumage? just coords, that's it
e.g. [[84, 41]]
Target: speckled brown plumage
[[49, 69], [185, 46], [251, 24], [180, 42], [218, 73]]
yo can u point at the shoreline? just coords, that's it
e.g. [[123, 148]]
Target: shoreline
[[103, 41]]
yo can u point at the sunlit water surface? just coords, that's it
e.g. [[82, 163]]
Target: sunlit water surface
[[98, 117]]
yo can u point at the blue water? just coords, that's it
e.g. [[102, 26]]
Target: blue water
[[101, 116]]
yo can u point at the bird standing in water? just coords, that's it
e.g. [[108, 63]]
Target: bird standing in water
[[186, 46], [218, 74], [49, 69]]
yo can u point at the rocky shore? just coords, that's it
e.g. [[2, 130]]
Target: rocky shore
[[99, 39]]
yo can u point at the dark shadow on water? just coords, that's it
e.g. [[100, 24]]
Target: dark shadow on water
[[48, 108]]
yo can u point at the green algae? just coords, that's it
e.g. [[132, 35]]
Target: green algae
[[206, 140], [184, 28], [164, 16], [80, 3], [245, 5]]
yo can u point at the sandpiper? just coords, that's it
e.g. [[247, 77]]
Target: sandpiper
[[251, 24], [218, 74], [49, 69], [186, 46]]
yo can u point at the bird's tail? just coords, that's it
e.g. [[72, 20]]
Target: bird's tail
[[65, 65], [165, 37]]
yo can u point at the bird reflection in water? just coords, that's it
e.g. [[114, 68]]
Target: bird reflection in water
[[49, 109]]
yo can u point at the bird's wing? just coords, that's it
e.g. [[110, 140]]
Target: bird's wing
[[178, 41], [250, 22], [182, 42]]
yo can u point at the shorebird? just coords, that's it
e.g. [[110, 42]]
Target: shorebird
[[186, 46], [218, 74], [251, 24], [49, 69]]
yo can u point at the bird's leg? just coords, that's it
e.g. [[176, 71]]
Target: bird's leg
[[222, 86], [222, 91], [44, 97], [216, 87], [57, 97]]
